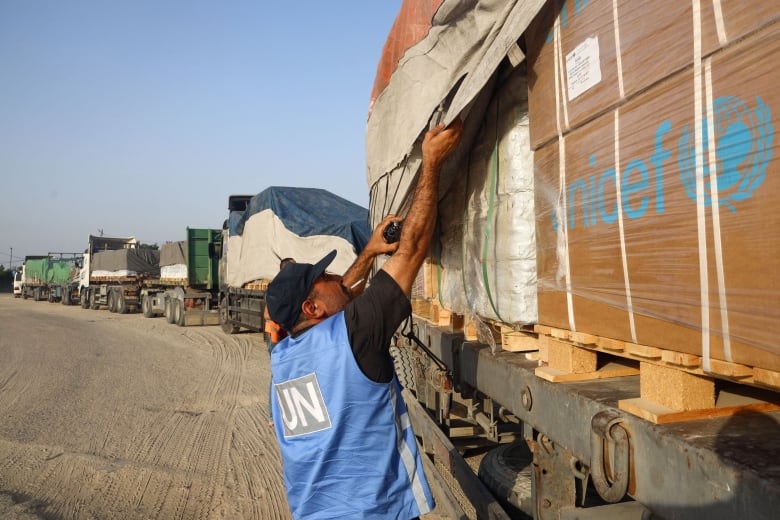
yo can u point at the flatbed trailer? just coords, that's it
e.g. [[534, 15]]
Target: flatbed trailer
[[119, 294]]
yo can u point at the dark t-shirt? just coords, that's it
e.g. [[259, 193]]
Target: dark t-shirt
[[372, 318]]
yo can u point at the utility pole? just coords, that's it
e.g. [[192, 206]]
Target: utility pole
[[11, 268]]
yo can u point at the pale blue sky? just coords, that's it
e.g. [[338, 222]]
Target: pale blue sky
[[141, 117]]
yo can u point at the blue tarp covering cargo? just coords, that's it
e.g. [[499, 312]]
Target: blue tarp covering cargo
[[302, 223]]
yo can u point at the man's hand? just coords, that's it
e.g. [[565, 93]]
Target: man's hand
[[355, 278], [376, 244], [440, 142]]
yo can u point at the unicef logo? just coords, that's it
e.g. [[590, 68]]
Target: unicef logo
[[744, 147]]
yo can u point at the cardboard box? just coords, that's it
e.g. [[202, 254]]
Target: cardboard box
[[607, 53], [660, 269]]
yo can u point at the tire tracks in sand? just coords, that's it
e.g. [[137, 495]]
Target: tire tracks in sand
[[206, 452]]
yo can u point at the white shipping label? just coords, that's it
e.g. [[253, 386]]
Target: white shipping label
[[583, 68]]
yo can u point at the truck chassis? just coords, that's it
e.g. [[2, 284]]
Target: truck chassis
[[181, 305]]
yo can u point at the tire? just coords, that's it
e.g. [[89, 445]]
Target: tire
[[168, 309], [179, 313], [403, 361], [175, 311], [508, 472], [146, 306], [93, 301], [65, 296], [111, 301], [83, 298], [227, 326], [120, 303]]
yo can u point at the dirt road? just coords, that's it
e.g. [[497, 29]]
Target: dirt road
[[118, 416]]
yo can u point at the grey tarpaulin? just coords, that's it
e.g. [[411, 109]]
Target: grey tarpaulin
[[135, 260], [467, 41]]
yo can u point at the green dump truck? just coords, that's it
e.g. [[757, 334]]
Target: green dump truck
[[187, 292]]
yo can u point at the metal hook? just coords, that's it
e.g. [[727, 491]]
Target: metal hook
[[609, 427]]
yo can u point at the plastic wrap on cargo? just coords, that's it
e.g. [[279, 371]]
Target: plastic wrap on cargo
[[658, 176], [302, 223], [486, 243], [126, 262], [174, 272]]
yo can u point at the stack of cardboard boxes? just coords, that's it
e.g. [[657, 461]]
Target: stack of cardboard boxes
[[657, 173]]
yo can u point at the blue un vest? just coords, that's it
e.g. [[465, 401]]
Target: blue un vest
[[347, 446]]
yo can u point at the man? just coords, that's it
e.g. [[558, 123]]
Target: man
[[347, 447]]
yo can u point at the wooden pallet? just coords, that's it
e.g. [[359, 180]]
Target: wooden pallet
[[686, 362], [433, 311], [257, 285], [564, 361], [510, 339], [673, 385]]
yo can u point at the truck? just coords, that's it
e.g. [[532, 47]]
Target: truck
[[115, 270], [278, 223], [187, 292], [43, 277], [585, 313]]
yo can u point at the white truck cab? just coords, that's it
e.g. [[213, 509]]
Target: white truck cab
[[18, 277]]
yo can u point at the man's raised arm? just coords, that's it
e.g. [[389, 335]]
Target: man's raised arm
[[417, 230]]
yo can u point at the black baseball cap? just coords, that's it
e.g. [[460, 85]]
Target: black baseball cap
[[290, 288]]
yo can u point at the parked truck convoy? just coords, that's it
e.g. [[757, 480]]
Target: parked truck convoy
[[587, 306]]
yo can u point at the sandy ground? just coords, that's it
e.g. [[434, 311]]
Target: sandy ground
[[119, 416]]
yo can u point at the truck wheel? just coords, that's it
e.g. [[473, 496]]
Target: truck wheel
[[178, 312], [168, 310], [65, 296], [111, 301], [227, 326], [146, 306], [83, 300], [93, 301], [507, 471], [120, 303]]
